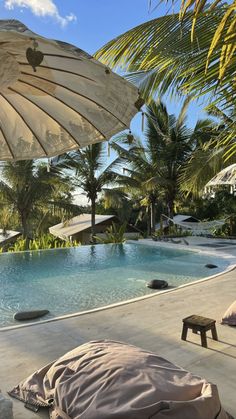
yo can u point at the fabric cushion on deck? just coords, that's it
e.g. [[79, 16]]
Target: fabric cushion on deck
[[230, 315], [113, 380]]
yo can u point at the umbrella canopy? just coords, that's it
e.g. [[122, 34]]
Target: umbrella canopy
[[226, 176], [54, 97]]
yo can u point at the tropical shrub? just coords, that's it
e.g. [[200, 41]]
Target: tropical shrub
[[114, 234], [46, 241]]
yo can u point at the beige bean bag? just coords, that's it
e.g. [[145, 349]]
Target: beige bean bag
[[230, 315], [113, 380]]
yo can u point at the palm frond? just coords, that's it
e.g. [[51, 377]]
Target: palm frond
[[114, 197], [160, 57], [204, 163], [162, 51], [225, 31]]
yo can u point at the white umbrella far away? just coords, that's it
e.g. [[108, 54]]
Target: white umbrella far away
[[54, 97], [226, 177]]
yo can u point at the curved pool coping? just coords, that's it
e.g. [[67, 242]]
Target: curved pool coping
[[218, 253]]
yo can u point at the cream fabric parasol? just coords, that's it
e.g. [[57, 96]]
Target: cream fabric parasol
[[54, 97], [227, 176]]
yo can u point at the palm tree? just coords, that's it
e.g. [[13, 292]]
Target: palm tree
[[91, 174], [136, 178], [207, 158], [27, 186], [165, 55], [155, 166]]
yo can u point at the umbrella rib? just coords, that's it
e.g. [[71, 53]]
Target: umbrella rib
[[59, 69], [48, 54], [26, 123], [73, 91], [64, 103], [8, 145], [50, 116]]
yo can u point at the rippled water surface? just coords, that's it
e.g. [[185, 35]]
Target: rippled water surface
[[70, 280]]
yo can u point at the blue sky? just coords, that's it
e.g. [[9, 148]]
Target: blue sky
[[88, 24]]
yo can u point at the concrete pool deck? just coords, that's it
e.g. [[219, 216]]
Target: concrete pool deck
[[154, 324]]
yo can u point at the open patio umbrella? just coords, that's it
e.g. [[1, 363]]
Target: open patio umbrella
[[54, 97], [226, 177]]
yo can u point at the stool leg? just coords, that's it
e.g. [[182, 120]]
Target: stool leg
[[214, 333], [203, 339], [184, 332]]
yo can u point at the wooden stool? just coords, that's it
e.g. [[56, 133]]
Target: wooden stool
[[199, 324]]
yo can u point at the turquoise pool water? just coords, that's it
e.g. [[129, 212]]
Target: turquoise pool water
[[65, 281]]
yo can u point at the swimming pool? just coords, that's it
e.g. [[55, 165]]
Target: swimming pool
[[70, 280]]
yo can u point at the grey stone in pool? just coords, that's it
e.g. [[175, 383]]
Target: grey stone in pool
[[211, 266], [28, 315], [157, 284]]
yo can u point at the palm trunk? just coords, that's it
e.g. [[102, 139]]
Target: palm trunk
[[25, 230], [93, 213], [153, 215], [170, 200], [24, 225], [171, 209], [148, 222]]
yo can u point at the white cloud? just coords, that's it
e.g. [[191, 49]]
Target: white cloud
[[41, 8]]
